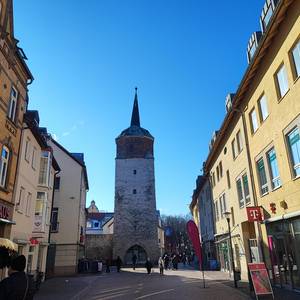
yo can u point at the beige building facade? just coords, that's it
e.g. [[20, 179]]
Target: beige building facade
[[33, 195], [68, 213]]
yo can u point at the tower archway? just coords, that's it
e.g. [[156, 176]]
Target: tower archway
[[140, 253]]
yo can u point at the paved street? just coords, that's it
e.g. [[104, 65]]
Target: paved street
[[129, 284]]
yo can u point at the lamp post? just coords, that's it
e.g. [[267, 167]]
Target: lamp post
[[227, 216]]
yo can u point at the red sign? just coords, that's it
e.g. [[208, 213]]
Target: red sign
[[260, 279], [33, 241], [193, 233], [254, 214], [4, 212]]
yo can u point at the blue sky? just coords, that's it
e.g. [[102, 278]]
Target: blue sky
[[185, 56]]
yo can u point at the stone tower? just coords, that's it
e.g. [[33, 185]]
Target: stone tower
[[135, 219]]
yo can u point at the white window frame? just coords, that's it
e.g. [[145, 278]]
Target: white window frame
[[245, 200], [296, 68], [277, 178], [45, 182], [282, 77], [4, 163], [254, 121], [27, 149], [20, 204], [239, 141], [263, 109], [33, 160], [13, 101], [28, 204]]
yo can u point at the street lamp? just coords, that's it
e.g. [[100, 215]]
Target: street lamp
[[227, 216]]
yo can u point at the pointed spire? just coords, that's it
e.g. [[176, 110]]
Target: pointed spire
[[135, 117]]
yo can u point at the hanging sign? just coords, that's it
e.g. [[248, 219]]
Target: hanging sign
[[254, 214], [260, 279]]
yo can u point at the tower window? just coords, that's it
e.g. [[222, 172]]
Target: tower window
[[134, 191], [134, 172]]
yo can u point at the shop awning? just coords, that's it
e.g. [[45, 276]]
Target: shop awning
[[7, 221], [8, 244]]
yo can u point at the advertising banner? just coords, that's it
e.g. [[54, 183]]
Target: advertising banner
[[254, 213], [193, 233], [260, 279]]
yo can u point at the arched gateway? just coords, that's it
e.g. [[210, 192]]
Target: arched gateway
[[139, 252]]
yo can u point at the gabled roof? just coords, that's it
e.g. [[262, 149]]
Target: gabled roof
[[99, 216], [75, 158]]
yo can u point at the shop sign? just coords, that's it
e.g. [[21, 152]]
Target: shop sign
[[5, 212], [260, 279], [254, 214], [34, 241]]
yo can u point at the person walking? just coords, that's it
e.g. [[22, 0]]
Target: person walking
[[107, 270], [134, 259], [166, 261], [148, 265], [161, 266], [17, 286], [119, 264]]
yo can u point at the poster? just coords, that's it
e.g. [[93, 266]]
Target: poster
[[260, 279]]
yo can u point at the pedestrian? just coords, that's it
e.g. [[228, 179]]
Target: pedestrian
[[161, 266], [134, 259], [18, 286], [119, 264], [166, 260], [148, 265], [107, 270]]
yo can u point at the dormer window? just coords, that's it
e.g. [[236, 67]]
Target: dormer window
[[267, 13], [253, 44]]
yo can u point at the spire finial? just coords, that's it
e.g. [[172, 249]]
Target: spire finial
[[135, 117]]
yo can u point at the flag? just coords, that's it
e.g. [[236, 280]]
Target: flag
[[193, 233]]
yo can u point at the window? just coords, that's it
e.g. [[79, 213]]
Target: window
[[263, 108], [296, 59], [233, 149], [246, 188], [262, 176], [45, 168], [218, 173], [228, 179], [96, 224], [240, 192], [54, 220], [40, 211], [4, 166], [239, 141], [88, 223], [134, 191], [223, 205], [12, 104], [217, 210], [28, 204], [214, 179], [253, 119], [282, 82], [293, 139], [274, 172], [27, 150], [134, 172], [20, 203], [56, 183], [221, 169], [33, 160], [267, 14]]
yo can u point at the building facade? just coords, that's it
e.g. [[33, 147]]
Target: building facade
[[202, 211], [135, 218], [14, 79], [33, 197], [68, 220]]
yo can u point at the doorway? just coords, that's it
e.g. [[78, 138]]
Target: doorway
[[139, 252]]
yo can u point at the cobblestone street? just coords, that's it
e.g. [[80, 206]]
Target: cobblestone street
[[129, 284]]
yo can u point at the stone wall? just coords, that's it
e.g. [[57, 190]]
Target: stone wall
[[99, 246]]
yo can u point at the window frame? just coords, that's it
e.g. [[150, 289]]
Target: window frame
[[261, 115], [295, 72], [290, 155], [280, 95], [28, 204], [4, 166], [21, 200], [12, 110], [271, 170], [244, 200], [251, 120]]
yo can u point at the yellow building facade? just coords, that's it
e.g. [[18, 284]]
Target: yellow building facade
[[255, 156]]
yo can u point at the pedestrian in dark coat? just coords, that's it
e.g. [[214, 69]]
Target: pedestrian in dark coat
[[134, 259], [107, 270], [148, 265], [119, 264], [17, 286]]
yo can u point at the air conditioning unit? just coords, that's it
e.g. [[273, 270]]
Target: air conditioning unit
[[229, 101], [253, 44]]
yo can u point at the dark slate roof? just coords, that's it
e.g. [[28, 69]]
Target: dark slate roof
[[78, 156], [135, 117], [99, 216]]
